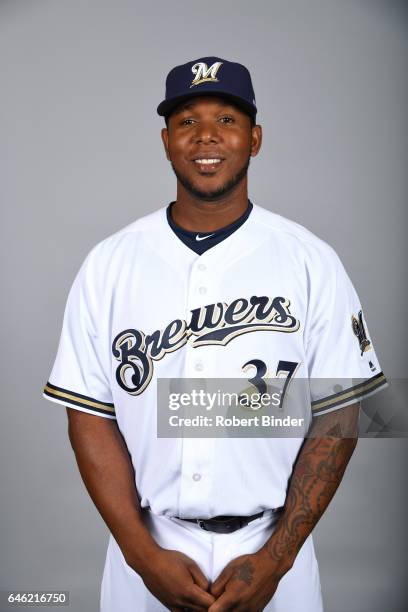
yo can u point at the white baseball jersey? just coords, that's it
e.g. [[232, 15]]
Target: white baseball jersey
[[144, 306]]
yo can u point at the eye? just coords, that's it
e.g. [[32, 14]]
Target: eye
[[227, 119], [186, 121]]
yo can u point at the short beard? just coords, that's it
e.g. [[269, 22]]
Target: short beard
[[217, 194]]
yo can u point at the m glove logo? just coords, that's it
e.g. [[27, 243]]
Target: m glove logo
[[360, 332], [203, 74]]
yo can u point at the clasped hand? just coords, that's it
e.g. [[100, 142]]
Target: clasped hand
[[246, 584]]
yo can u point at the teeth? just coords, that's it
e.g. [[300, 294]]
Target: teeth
[[207, 161]]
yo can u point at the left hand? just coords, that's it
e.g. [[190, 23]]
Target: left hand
[[246, 584]]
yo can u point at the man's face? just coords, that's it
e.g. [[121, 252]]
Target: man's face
[[209, 142]]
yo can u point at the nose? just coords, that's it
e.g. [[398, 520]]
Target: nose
[[206, 132]]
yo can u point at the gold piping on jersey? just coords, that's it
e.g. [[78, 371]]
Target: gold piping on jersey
[[82, 401], [355, 393]]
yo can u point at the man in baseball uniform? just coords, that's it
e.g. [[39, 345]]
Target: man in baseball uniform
[[211, 286]]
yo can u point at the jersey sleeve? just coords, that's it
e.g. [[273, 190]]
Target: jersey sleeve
[[342, 364], [80, 374]]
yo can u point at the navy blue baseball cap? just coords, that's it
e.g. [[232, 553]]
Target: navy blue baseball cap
[[209, 76]]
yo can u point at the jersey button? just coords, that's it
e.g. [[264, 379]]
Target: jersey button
[[202, 290], [202, 267], [199, 366], [196, 476]]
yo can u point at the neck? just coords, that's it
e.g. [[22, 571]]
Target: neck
[[196, 215]]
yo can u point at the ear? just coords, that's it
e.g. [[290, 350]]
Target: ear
[[256, 140], [165, 139]]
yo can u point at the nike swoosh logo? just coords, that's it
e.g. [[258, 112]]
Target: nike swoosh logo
[[198, 237]]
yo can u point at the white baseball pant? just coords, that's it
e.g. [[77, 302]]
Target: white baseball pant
[[123, 590]]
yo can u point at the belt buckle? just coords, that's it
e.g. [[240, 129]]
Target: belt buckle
[[233, 524], [229, 526]]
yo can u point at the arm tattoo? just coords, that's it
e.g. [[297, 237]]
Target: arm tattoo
[[317, 474]]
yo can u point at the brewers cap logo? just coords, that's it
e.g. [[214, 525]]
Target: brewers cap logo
[[203, 74], [360, 332]]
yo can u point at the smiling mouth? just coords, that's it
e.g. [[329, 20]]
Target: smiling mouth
[[208, 165]]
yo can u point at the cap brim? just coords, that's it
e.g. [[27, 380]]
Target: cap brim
[[166, 107]]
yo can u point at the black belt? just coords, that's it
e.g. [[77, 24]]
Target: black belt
[[224, 524]]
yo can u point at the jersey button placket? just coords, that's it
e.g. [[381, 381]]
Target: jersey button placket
[[197, 453]]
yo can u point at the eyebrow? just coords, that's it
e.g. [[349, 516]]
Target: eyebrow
[[190, 105]]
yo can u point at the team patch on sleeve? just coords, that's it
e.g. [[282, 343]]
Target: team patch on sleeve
[[357, 325], [88, 404], [349, 396]]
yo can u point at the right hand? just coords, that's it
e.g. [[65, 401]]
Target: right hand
[[176, 580]]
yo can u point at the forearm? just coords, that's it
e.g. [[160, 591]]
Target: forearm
[[106, 469], [317, 473]]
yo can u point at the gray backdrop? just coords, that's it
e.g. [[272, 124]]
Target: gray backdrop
[[81, 157]]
